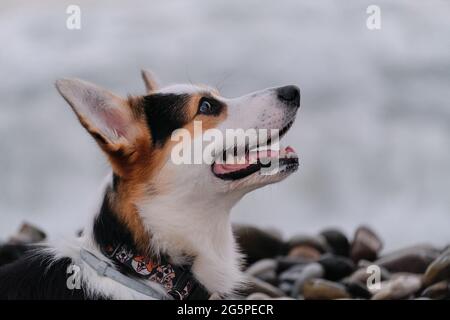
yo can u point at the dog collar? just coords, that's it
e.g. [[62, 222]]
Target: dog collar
[[178, 281], [106, 269]]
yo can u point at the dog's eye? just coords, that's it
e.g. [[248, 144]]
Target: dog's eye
[[209, 106], [206, 107]]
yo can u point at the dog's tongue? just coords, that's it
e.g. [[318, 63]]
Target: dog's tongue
[[223, 168], [252, 157]]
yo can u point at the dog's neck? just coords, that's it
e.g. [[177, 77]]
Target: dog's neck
[[196, 232], [199, 229]]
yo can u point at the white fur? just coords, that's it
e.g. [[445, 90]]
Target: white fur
[[201, 230]]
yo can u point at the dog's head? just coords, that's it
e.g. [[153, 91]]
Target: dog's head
[[144, 138]]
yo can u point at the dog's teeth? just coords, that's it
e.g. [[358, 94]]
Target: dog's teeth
[[291, 155], [262, 148]]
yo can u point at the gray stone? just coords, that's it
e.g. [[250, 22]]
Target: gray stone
[[276, 233], [414, 259], [337, 241], [318, 242], [336, 267], [258, 296], [258, 244], [401, 286], [269, 277], [366, 245], [215, 296], [27, 234], [261, 267], [438, 270], [358, 290], [292, 274], [286, 287], [438, 291], [318, 289], [257, 285], [306, 252], [285, 263], [310, 271]]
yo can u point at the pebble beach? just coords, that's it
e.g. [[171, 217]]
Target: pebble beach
[[333, 265]]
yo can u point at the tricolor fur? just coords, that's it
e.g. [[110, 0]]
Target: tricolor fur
[[158, 207]]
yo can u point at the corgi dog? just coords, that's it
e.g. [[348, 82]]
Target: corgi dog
[[162, 228]]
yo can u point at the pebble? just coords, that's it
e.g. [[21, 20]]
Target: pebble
[[292, 273], [19, 243], [310, 271], [337, 241], [27, 234], [215, 296], [319, 242], [438, 270], [306, 252], [440, 291], [326, 266], [319, 289], [274, 232], [257, 285], [269, 277], [258, 244], [286, 287], [401, 286], [366, 245], [262, 266], [284, 263], [336, 267], [414, 259], [358, 290], [258, 296]]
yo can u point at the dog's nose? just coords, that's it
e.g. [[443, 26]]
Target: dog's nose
[[289, 95]]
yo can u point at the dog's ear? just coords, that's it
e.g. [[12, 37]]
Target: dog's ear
[[106, 116], [151, 83]]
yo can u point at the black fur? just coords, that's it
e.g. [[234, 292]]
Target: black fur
[[108, 230], [36, 276], [12, 252], [115, 181], [164, 114]]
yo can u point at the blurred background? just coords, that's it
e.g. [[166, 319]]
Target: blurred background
[[373, 132]]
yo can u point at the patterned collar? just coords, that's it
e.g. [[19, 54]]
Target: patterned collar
[[178, 281]]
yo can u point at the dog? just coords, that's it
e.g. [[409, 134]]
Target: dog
[[162, 229]]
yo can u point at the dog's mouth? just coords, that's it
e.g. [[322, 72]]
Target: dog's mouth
[[255, 159]]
